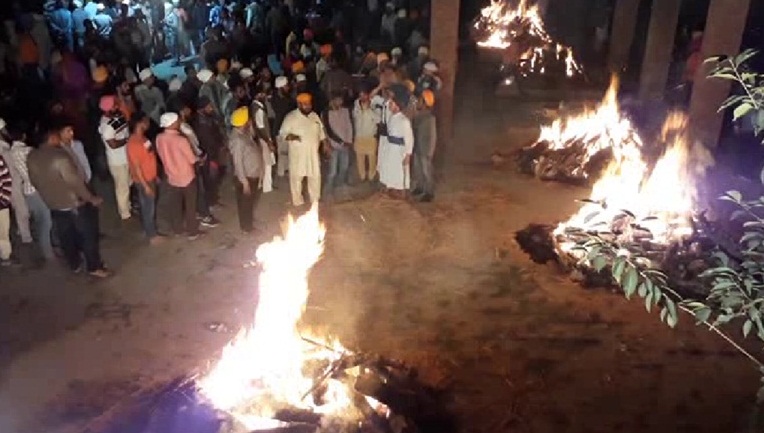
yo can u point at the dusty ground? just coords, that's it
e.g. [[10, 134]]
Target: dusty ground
[[441, 286]]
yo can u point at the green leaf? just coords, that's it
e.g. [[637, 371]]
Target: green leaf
[[732, 196], [671, 321], [741, 110], [723, 76], [744, 56], [618, 267], [648, 301], [747, 328], [702, 314], [714, 59], [672, 311], [664, 311], [732, 100], [599, 263], [630, 281], [642, 290]]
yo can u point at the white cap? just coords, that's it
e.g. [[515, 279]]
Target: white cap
[[145, 74], [100, 6], [281, 82], [168, 119], [175, 84], [300, 78], [402, 13], [204, 75], [424, 50], [431, 67], [77, 3], [2, 124], [397, 51], [246, 73], [236, 65]]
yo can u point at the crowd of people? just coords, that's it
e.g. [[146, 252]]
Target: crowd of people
[[269, 90]]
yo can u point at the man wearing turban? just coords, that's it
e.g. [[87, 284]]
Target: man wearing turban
[[303, 131]]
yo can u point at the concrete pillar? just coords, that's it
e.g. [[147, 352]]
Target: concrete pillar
[[660, 43], [723, 34], [444, 43], [622, 33]]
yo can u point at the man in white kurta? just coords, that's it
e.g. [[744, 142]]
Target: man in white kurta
[[396, 147], [303, 130]]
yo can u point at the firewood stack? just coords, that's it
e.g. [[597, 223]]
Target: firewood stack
[[569, 164]]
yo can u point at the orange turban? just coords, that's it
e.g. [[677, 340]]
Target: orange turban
[[429, 98], [325, 49], [298, 67], [100, 74], [410, 85], [304, 98]]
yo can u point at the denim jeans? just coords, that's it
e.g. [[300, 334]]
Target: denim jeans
[[43, 223], [78, 232], [337, 172], [148, 208]]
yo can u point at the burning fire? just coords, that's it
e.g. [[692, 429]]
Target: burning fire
[[521, 30], [603, 128], [631, 200], [267, 366]]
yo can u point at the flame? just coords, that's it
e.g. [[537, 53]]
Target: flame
[[264, 368], [500, 26], [659, 201], [599, 129]]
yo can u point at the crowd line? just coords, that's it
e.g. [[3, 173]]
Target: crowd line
[[269, 90]]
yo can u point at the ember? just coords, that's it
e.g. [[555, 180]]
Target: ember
[[576, 149], [273, 376], [519, 31]]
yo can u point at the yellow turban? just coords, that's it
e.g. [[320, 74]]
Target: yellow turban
[[240, 117], [410, 85], [298, 67], [304, 98], [429, 98]]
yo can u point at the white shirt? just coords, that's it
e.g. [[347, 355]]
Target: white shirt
[[303, 155], [114, 129]]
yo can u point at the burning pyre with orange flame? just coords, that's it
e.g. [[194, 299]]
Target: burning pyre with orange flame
[[517, 29], [576, 149], [641, 203], [274, 376]]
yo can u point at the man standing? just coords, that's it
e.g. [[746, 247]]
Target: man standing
[[75, 148], [262, 130], [143, 168], [18, 203], [365, 120], [282, 104], [425, 139], [114, 132], [202, 205], [247, 165], [73, 207], [339, 129], [149, 96], [211, 134], [179, 162], [396, 147], [303, 130], [213, 89], [6, 249]]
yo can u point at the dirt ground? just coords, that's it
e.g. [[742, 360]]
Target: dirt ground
[[441, 286]]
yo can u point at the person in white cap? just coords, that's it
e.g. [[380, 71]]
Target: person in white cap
[[429, 80], [300, 85], [179, 163], [414, 67], [149, 96], [282, 103], [396, 56], [214, 90]]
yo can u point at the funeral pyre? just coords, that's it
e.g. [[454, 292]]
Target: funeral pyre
[[577, 148], [275, 377], [516, 29], [648, 207]]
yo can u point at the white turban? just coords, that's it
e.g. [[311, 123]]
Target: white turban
[[168, 119]]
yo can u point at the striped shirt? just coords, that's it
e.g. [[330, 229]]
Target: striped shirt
[[5, 184]]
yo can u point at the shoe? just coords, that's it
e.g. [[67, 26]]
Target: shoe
[[101, 273], [209, 221], [196, 236]]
